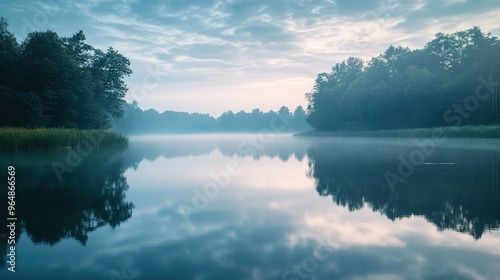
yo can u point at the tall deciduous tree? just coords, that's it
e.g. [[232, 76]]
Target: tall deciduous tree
[[108, 71], [10, 55], [404, 88], [50, 72], [59, 82]]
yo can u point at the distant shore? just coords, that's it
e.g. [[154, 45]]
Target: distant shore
[[479, 131], [23, 139]]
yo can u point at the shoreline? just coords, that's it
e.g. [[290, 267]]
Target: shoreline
[[41, 139], [469, 131]]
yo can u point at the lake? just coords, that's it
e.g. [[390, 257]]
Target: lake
[[258, 207]]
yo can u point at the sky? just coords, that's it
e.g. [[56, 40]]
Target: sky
[[213, 56]]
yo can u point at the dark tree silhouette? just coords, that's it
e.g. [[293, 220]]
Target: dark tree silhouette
[[49, 81], [404, 88], [461, 197], [91, 196]]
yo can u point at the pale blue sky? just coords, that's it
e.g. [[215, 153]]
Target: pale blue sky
[[213, 56]]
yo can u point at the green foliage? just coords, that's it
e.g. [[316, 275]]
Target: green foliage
[[10, 56], [16, 139], [404, 88], [50, 81], [459, 197], [467, 131]]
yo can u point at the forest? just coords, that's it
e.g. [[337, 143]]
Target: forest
[[452, 81], [138, 121], [52, 81], [48, 81]]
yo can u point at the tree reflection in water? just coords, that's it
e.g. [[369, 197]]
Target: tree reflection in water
[[89, 197], [462, 196]]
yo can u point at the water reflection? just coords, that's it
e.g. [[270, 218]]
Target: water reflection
[[173, 146], [268, 220], [89, 197], [461, 195]]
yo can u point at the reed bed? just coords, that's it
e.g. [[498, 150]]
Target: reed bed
[[480, 131], [23, 139]]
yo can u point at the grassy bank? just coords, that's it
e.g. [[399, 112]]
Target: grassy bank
[[20, 139], [450, 132]]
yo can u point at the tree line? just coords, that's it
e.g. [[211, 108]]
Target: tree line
[[138, 121], [459, 197], [453, 80], [53, 81]]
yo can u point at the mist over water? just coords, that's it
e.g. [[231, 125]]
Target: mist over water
[[248, 206]]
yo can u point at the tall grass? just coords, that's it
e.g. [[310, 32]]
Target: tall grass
[[21, 139], [479, 131]]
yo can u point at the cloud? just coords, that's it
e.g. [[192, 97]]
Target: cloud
[[249, 41]]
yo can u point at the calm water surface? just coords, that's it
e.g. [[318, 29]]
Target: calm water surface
[[243, 207]]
